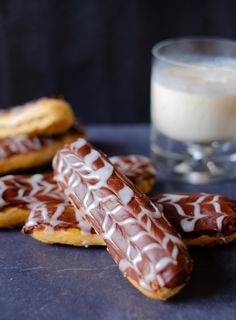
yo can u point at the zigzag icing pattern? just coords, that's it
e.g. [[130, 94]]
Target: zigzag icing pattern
[[28, 191], [198, 213], [22, 144], [136, 167], [40, 194], [206, 218], [38, 188], [56, 216], [142, 243]]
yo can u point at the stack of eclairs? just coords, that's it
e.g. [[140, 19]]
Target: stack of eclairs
[[89, 199]]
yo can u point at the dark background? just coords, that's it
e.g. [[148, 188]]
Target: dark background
[[96, 53]]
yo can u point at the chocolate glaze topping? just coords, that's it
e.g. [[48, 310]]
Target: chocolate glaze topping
[[23, 144], [190, 214], [136, 167], [143, 244], [28, 191], [193, 215], [49, 208], [56, 216]]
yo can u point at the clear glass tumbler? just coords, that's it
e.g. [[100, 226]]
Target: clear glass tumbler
[[193, 109]]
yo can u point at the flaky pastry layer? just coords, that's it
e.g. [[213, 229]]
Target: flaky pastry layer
[[46, 116]]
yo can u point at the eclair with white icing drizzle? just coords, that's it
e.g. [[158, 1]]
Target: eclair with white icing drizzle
[[201, 218], [31, 134], [60, 223], [24, 152], [143, 244], [19, 194]]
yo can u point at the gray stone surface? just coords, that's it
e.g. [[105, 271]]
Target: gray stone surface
[[40, 281]]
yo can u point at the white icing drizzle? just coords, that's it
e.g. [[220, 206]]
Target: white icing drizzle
[[135, 167], [3, 188], [22, 144], [188, 221], [142, 239], [28, 190], [126, 194], [55, 217], [163, 263], [42, 216]]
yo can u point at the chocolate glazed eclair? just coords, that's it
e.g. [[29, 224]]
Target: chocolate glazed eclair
[[202, 219], [143, 244], [21, 193]]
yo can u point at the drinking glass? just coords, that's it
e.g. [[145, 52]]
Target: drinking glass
[[193, 109]]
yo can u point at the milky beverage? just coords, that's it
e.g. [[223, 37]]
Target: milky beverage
[[197, 102]]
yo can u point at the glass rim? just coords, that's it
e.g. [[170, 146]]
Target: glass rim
[[165, 43]]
